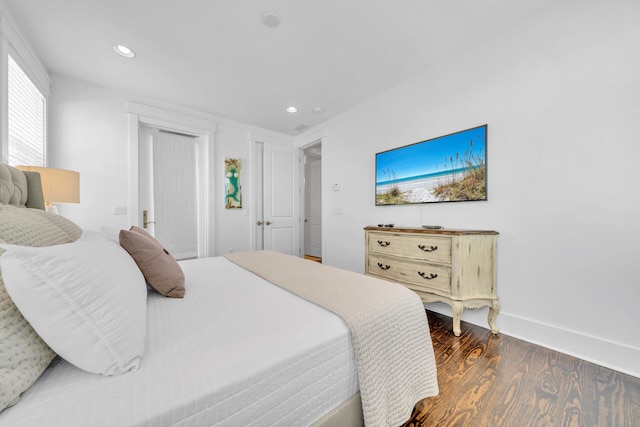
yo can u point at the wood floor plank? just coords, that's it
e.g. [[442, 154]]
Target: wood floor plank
[[497, 380]]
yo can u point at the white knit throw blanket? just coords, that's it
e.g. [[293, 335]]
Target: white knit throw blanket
[[388, 324]]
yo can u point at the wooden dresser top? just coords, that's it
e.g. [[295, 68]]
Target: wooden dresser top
[[420, 230]]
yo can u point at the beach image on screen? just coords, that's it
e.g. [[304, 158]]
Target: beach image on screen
[[449, 168]]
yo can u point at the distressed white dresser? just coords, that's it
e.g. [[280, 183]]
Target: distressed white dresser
[[457, 267]]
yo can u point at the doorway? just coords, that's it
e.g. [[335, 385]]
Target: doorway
[[313, 202], [198, 125]]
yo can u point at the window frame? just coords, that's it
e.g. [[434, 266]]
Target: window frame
[[14, 43]]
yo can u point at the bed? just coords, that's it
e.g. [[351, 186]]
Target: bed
[[255, 338]]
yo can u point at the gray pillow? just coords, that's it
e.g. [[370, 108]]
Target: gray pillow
[[35, 196]]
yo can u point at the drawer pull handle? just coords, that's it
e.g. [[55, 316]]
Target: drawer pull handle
[[384, 267], [428, 277], [428, 249], [383, 244]]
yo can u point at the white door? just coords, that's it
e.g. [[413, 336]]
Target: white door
[[258, 200], [313, 207], [281, 195], [168, 190]]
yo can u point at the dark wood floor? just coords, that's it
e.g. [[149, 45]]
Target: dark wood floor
[[496, 380], [313, 258]]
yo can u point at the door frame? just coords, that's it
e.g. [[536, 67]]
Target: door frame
[[304, 194], [255, 179], [306, 141], [201, 126]]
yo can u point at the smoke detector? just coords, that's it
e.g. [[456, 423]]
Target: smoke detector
[[271, 19]]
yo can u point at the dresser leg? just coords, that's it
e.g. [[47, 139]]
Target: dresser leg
[[457, 308], [493, 313]]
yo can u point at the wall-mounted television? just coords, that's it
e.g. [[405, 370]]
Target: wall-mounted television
[[449, 168]]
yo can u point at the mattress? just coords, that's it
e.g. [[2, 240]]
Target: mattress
[[235, 351]]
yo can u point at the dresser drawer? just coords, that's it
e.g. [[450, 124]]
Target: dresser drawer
[[415, 246], [418, 275]]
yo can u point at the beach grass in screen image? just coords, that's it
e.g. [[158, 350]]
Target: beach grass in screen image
[[450, 168]]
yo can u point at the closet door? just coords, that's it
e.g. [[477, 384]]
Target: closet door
[[168, 190], [281, 198]]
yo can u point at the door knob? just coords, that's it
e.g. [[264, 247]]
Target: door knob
[[259, 222], [269, 223]]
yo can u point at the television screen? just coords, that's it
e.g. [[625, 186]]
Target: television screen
[[450, 168]]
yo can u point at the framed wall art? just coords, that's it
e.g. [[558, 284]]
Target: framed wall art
[[233, 194]]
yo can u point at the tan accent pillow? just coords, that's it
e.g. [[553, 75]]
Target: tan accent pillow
[[158, 267], [23, 354]]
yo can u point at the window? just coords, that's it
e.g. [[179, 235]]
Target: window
[[27, 125]]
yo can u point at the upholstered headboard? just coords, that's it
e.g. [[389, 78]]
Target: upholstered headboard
[[18, 188]]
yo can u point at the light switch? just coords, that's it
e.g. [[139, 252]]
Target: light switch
[[119, 210]]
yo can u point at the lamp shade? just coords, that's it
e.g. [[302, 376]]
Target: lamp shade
[[58, 185]]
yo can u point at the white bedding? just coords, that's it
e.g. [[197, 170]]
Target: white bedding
[[293, 364]]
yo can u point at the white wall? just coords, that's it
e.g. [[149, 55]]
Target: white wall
[[561, 97], [88, 132]]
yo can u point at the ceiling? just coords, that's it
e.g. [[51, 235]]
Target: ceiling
[[217, 56]]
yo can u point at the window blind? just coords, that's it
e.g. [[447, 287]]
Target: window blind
[[174, 194], [27, 111]]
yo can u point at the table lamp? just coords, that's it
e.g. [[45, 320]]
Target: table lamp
[[58, 185]]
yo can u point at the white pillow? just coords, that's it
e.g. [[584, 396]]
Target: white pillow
[[86, 299]]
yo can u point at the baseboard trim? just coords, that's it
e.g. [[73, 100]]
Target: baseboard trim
[[616, 356]]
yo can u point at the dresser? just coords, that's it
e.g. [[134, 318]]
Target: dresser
[[457, 267]]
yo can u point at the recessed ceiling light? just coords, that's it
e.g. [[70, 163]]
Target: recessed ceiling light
[[271, 19], [292, 109], [317, 110], [123, 50]]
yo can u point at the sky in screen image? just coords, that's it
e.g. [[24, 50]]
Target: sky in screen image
[[428, 157]]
